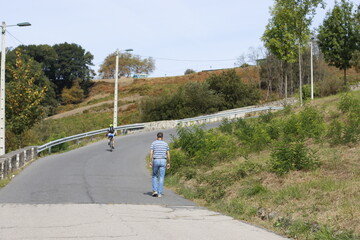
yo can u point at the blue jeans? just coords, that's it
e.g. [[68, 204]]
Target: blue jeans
[[158, 175]]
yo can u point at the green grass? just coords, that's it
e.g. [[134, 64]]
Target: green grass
[[321, 202]]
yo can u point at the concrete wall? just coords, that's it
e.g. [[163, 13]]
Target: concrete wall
[[15, 160]]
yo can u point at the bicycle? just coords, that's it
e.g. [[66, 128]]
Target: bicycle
[[111, 141]]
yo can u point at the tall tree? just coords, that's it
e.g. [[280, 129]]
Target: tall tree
[[44, 58], [289, 27], [128, 64], [339, 36], [23, 97], [73, 62], [43, 54]]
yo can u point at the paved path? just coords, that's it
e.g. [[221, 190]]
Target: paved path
[[92, 193]]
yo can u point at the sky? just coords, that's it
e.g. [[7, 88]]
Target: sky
[[177, 34]]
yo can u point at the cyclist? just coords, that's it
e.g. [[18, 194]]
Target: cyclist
[[110, 134]]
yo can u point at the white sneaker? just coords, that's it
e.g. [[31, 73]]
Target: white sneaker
[[159, 195], [154, 194]]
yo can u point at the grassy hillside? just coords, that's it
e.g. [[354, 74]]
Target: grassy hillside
[[295, 172], [96, 111]]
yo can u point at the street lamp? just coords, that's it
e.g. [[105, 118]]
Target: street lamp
[[2, 84], [311, 68], [116, 86]]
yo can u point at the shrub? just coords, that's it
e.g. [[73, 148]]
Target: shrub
[[307, 91], [236, 94], [189, 71], [292, 156], [72, 95], [189, 100], [309, 123]]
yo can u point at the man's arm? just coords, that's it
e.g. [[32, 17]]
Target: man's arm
[[168, 159], [151, 157]]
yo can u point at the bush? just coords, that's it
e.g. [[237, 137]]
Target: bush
[[309, 123], [205, 147], [287, 156], [235, 93], [190, 100], [347, 131], [330, 85], [307, 91], [189, 71], [72, 95]]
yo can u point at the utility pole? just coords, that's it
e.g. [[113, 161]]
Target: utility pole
[[116, 90], [2, 83], [312, 69], [2, 91]]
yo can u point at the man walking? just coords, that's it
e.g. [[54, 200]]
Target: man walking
[[159, 162]]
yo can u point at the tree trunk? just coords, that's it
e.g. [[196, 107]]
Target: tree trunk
[[345, 77]]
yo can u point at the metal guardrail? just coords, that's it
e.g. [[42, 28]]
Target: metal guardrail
[[228, 113], [203, 119], [123, 128]]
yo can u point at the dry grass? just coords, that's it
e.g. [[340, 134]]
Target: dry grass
[[328, 196]]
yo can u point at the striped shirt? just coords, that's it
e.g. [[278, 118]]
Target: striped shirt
[[160, 148]]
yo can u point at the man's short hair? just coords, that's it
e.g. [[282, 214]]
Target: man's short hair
[[160, 135]]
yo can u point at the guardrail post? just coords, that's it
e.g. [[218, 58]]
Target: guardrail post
[[49, 150]]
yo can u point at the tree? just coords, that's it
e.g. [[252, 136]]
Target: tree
[[339, 36], [128, 64], [43, 54], [189, 71], [43, 58], [235, 93], [288, 28], [23, 97], [73, 62], [72, 95], [355, 60]]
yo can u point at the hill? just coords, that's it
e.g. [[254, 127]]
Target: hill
[[295, 172]]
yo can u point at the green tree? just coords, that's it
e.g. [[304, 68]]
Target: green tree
[[289, 28], [23, 97], [235, 93], [339, 36], [189, 71], [128, 64], [43, 54], [39, 55], [73, 62]]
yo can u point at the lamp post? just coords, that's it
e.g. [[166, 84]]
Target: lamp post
[[116, 86], [2, 83], [311, 69]]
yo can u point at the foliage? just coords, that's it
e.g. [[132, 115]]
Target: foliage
[[50, 102], [287, 156], [73, 62], [24, 98], [62, 64], [235, 93], [339, 36], [308, 123], [72, 95], [355, 60], [189, 100], [346, 130], [189, 71], [204, 147], [128, 64]]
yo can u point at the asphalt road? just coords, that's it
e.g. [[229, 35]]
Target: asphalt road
[[92, 174], [92, 193]]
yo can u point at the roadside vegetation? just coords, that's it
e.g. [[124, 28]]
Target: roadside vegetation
[[295, 171]]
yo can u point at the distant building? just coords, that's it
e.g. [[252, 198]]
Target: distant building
[[140, 75]]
